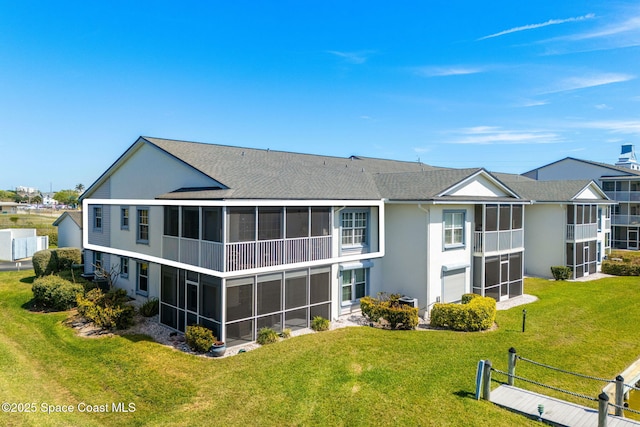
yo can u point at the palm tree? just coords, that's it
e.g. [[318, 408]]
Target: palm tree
[[79, 188]]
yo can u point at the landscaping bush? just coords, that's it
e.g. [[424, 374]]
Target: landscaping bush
[[478, 315], [468, 297], [618, 268], [66, 257], [150, 308], [286, 333], [561, 272], [388, 307], [199, 338], [320, 324], [42, 262], [267, 335], [107, 310], [55, 293]]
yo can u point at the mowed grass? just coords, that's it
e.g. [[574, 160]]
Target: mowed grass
[[346, 377]]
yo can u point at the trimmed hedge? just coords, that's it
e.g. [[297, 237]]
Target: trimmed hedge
[[477, 315], [107, 310], [561, 272], [55, 293], [620, 268], [388, 307], [51, 261]]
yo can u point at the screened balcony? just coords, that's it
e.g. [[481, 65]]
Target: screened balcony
[[499, 228]]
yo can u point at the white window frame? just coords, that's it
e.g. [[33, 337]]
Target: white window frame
[[452, 242], [358, 235], [124, 217], [97, 218], [140, 225], [124, 267], [139, 275], [352, 284]]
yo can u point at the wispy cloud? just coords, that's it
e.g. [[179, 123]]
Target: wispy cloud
[[631, 127], [540, 25], [602, 107], [447, 71], [490, 135], [359, 57], [583, 82], [631, 24]]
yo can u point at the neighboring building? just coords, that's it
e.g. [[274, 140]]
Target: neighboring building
[[237, 239], [48, 200], [8, 207], [620, 182], [69, 229], [20, 243], [568, 223]]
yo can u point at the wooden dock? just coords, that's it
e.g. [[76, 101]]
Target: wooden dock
[[556, 411]]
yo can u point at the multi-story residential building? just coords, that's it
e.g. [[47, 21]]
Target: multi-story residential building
[[620, 182], [237, 239]]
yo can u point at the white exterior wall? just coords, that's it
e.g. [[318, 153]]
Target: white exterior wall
[[69, 234], [5, 245], [440, 257], [544, 238], [404, 266]]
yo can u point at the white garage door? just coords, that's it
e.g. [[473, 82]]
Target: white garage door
[[453, 285]]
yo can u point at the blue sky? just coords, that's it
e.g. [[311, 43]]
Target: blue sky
[[504, 85]]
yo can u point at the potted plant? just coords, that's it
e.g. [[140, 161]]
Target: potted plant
[[218, 348]]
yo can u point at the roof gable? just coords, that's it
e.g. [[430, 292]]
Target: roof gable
[[480, 184]]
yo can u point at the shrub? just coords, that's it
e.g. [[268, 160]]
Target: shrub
[[199, 338], [319, 324], [286, 333], [55, 293], [477, 315], [66, 258], [150, 308], [42, 262], [51, 232], [561, 272], [620, 268], [107, 310], [267, 335], [468, 297], [388, 307]]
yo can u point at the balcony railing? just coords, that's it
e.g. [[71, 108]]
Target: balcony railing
[[622, 219], [494, 241], [582, 231], [624, 196], [246, 255]]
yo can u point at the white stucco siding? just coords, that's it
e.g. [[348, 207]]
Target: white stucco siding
[[441, 257], [544, 239], [131, 179], [404, 266], [126, 239]]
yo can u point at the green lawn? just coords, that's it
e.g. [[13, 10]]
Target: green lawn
[[350, 376]]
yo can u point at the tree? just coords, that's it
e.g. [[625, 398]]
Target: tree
[[79, 188], [7, 196], [66, 197]]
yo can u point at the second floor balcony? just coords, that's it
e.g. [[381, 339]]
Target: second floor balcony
[[225, 257], [624, 219], [497, 241], [581, 232]]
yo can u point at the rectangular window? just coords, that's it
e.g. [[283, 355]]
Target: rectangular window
[[143, 278], [354, 228], [191, 222], [171, 215], [354, 284], [97, 218], [124, 218], [505, 217], [124, 267], [143, 225], [453, 228], [97, 261]]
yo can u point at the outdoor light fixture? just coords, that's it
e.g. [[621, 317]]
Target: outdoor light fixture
[[540, 411]]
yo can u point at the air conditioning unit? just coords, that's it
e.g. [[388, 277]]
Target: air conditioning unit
[[413, 302]]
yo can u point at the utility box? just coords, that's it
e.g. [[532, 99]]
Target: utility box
[[405, 300]]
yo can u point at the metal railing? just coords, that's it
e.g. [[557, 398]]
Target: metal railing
[[493, 241], [582, 231]]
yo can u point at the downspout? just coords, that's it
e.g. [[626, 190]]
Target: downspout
[[426, 312]]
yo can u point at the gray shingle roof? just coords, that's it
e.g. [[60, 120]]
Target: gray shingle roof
[[420, 185], [544, 191], [621, 170]]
